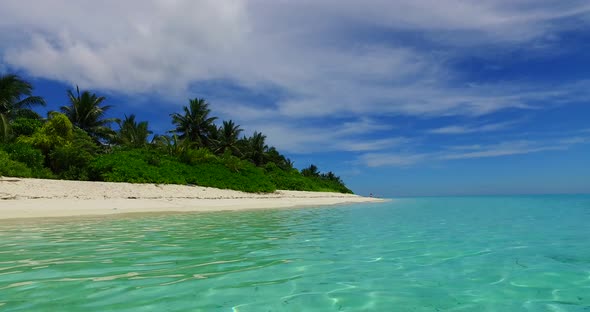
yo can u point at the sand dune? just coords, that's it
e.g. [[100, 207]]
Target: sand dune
[[36, 198]]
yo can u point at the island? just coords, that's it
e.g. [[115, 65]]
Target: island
[[73, 162]]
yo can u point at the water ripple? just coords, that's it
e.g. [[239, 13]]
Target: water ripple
[[407, 255]]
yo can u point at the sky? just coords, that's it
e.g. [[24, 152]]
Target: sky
[[398, 97]]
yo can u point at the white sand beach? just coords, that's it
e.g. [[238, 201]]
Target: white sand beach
[[37, 198]]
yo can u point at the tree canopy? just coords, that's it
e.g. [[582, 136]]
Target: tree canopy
[[78, 143], [195, 124], [16, 99], [132, 133], [86, 111]]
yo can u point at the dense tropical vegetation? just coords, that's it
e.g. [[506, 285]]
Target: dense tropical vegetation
[[79, 143]]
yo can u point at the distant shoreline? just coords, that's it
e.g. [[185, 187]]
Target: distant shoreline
[[38, 198]]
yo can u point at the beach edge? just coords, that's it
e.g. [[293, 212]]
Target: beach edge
[[38, 198]]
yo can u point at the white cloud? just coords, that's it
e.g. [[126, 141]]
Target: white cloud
[[302, 47], [321, 55]]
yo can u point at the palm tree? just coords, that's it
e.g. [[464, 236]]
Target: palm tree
[[85, 112], [195, 125], [172, 145], [272, 155], [257, 148], [132, 133], [228, 138], [16, 99], [289, 163], [311, 171], [331, 176]]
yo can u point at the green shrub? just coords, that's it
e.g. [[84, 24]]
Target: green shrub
[[81, 140], [58, 131], [26, 154], [293, 180], [289, 180], [135, 166], [26, 114], [13, 168], [153, 160], [195, 156], [233, 163], [70, 162], [59, 126], [25, 126]]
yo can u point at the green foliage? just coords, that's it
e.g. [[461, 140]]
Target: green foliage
[[56, 132], [127, 166], [288, 180], [197, 153], [26, 114], [195, 125], [16, 99], [171, 145], [82, 141], [13, 168], [25, 126], [273, 156], [24, 153], [132, 133], [41, 141], [5, 129], [87, 113], [293, 180], [16, 95], [232, 162], [59, 126], [326, 185], [227, 140], [72, 161], [256, 148], [68, 162], [311, 171], [196, 156], [135, 166]]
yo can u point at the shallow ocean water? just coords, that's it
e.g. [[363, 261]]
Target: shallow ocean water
[[414, 254]]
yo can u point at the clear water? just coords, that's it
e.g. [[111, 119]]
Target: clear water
[[428, 254]]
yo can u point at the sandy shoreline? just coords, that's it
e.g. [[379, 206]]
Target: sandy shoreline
[[36, 198]]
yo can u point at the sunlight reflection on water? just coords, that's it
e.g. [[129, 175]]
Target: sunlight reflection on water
[[428, 254]]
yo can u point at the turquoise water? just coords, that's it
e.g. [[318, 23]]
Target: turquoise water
[[426, 254]]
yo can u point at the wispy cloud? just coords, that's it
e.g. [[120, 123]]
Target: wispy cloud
[[363, 145], [504, 149], [392, 160], [309, 137], [462, 129], [450, 153], [575, 140]]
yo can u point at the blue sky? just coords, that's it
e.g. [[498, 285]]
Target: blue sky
[[421, 97]]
